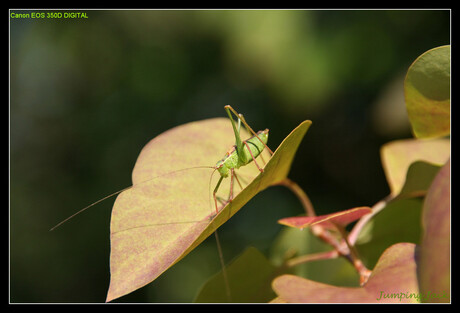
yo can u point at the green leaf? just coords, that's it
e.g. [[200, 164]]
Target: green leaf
[[397, 156], [160, 220], [293, 242], [419, 177], [394, 275], [434, 257], [249, 278], [427, 93], [399, 221], [395, 223]]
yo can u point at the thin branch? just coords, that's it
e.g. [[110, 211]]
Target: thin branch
[[312, 257], [301, 195], [343, 247], [364, 273], [376, 208]]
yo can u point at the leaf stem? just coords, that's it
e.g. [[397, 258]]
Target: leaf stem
[[376, 208], [312, 257], [363, 272], [301, 195], [344, 247]]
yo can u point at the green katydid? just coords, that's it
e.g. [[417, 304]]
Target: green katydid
[[165, 214], [241, 154]]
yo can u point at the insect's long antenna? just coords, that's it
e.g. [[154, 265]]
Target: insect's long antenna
[[85, 208], [124, 189], [224, 270]]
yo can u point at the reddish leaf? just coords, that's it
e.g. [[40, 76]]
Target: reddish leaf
[[341, 218], [393, 279], [434, 264]]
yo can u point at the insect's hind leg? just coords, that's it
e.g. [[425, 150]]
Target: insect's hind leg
[[253, 158], [246, 125], [249, 129], [237, 180]]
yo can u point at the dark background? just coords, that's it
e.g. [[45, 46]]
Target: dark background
[[87, 94]]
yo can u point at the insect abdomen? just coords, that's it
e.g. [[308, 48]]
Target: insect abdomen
[[255, 145], [232, 160]]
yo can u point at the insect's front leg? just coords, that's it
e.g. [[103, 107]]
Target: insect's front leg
[[233, 177], [215, 191], [230, 196]]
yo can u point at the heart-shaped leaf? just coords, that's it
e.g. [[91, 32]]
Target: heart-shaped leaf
[[434, 258], [398, 155], [427, 93], [341, 218], [169, 210], [393, 279]]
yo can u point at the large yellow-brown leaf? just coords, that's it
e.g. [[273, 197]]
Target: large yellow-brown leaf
[[160, 220]]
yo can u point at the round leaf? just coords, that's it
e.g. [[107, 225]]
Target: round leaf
[[427, 93]]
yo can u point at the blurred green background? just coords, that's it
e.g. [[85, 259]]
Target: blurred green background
[[87, 94]]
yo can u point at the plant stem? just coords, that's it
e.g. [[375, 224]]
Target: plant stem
[[376, 208], [364, 273], [301, 195], [312, 257], [344, 247]]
